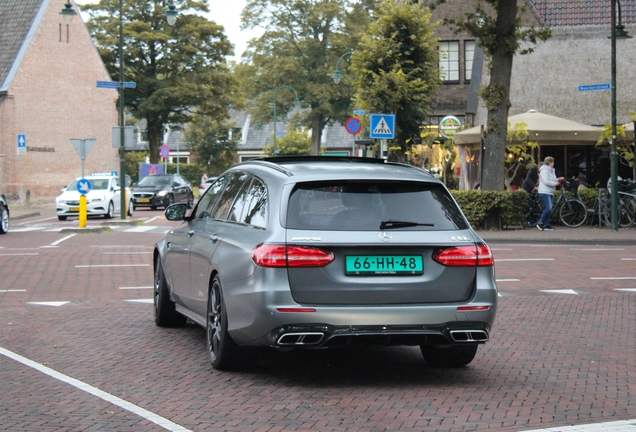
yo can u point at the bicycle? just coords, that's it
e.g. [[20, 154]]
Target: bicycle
[[597, 211], [571, 209], [626, 203], [534, 209]]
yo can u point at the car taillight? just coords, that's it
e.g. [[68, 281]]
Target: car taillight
[[465, 256], [267, 255]]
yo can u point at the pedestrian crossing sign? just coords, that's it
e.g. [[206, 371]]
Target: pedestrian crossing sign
[[382, 126]]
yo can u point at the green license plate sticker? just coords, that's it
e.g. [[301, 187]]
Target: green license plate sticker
[[384, 264]]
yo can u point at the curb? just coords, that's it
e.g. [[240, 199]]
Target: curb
[[24, 216]]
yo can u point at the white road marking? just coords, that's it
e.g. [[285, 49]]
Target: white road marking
[[55, 243], [119, 246], [628, 259], [126, 253], [141, 412], [9, 291], [20, 254], [131, 288], [625, 289], [149, 301], [154, 218], [525, 259], [38, 220], [565, 291], [614, 426], [56, 304], [111, 265], [580, 249], [141, 228], [507, 280], [27, 229], [613, 278]]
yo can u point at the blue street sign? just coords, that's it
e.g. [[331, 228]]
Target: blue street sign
[[593, 87], [84, 186], [382, 126], [21, 144], [353, 126], [107, 84], [115, 84], [165, 151], [359, 112]]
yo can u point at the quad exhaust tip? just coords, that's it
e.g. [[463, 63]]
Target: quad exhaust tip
[[469, 335], [298, 339]]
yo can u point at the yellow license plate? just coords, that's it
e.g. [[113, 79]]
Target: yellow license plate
[[75, 209], [144, 200]]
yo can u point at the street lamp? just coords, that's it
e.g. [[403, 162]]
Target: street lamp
[[337, 76], [618, 31], [68, 13], [296, 102]]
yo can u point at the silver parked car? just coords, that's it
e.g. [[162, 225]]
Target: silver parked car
[[313, 252]]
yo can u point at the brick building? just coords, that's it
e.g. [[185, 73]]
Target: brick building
[[48, 94]]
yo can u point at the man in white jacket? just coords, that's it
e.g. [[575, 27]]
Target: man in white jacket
[[548, 183]]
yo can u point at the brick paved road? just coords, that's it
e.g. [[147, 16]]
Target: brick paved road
[[554, 359]]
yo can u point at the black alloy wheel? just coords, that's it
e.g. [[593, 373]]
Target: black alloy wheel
[[164, 308], [222, 351]]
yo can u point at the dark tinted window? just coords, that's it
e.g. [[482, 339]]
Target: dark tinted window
[[255, 212], [239, 203], [363, 206], [206, 203], [226, 200]]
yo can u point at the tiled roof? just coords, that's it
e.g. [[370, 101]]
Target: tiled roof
[[16, 20], [560, 13]]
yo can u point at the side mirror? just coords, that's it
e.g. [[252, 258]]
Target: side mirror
[[176, 212]]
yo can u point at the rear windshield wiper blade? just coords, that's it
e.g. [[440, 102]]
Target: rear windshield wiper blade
[[390, 224]]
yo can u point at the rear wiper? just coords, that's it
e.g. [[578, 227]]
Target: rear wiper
[[390, 224]]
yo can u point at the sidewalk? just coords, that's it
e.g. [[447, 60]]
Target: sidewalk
[[561, 234]]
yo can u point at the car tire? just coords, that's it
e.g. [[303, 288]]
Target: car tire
[[131, 209], [4, 221], [164, 308], [62, 218], [222, 350], [448, 355], [111, 211], [169, 200]]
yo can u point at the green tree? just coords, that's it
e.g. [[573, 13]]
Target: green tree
[[518, 152], [177, 69], [300, 45], [210, 140], [294, 142], [499, 33], [395, 68]]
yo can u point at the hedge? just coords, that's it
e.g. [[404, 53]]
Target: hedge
[[492, 210]]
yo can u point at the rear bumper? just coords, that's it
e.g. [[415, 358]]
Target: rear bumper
[[323, 335]]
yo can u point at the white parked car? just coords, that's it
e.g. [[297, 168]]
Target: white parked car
[[104, 198], [205, 185]]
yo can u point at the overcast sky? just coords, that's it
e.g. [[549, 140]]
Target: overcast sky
[[228, 14]]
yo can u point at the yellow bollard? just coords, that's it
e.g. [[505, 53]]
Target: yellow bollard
[[82, 211]]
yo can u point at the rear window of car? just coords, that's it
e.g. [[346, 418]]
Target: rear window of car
[[363, 206]]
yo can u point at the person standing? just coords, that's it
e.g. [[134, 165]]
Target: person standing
[[548, 183], [531, 181]]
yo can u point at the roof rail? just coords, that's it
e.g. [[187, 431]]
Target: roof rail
[[292, 159]]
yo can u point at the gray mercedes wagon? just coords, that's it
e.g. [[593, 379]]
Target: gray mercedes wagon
[[314, 252]]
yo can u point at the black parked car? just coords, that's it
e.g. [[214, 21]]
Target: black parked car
[[4, 215], [162, 190]]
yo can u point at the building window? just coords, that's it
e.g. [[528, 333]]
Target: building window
[[469, 55], [449, 60]]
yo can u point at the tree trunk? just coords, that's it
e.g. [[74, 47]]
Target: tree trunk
[[317, 124], [155, 140], [499, 88]]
